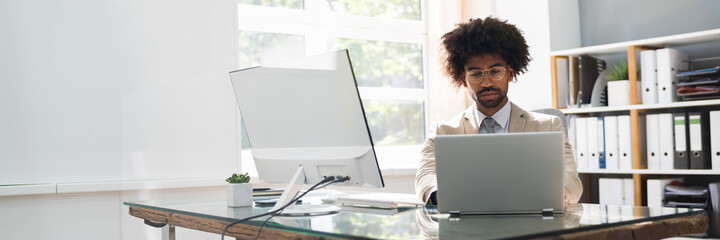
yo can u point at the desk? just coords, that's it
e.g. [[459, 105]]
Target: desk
[[581, 221]]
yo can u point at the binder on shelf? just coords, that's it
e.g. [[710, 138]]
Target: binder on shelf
[[592, 143], [572, 134], [561, 67], [648, 72], [682, 159], [656, 190], [698, 140], [574, 81], [582, 143], [601, 142], [715, 140], [666, 141], [612, 160], [653, 141], [628, 192], [625, 142], [611, 191], [589, 69], [670, 62]]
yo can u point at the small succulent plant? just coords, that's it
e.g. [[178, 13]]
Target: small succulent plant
[[238, 178], [618, 72]]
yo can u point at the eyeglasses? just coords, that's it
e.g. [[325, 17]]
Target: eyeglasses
[[496, 73]]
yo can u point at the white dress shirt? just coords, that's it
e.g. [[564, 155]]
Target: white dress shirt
[[502, 118]]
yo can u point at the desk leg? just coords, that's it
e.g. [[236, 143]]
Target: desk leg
[[168, 232]]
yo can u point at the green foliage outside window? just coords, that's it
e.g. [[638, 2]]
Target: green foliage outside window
[[395, 9], [395, 122], [297, 4], [384, 64]]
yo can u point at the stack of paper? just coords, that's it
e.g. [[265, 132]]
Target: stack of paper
[[686, 196]]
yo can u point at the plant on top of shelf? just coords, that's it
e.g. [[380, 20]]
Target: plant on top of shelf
[[238, 178], [618, 72]]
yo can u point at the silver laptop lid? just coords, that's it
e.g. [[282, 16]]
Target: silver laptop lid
[[500, 173]]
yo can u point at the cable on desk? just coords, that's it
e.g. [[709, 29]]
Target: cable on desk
[[263, 225], [327, 181]]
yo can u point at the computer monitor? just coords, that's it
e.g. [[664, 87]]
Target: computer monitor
[[305, 120]]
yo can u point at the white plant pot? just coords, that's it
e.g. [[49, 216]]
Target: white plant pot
[[239, 194], [619, 92]]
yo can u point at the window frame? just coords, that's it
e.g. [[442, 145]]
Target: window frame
[[317, 26]]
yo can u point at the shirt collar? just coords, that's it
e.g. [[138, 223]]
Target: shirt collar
[[502, 116]]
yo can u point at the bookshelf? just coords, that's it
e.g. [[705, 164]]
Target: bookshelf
[[642, 107], [631, 48]]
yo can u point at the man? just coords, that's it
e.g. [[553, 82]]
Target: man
[[483, 56]]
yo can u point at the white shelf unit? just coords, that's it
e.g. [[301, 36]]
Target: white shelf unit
[[659, 42], [634, 109], [642, 107]]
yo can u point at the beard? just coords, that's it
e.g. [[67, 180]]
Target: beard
[[490, 103]]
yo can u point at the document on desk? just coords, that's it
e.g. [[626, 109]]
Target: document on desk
[[380, 200]]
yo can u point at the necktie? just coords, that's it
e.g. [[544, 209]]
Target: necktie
[[488, 124]]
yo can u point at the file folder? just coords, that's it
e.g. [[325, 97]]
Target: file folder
[[656, 190], [682, 160], [612, 160], [611, 191], [582, 143], [574, 81], [669, 62], [592, 143], [698, 140], [628, 192], [589, 70], [715, 140], [653, 142], [648, 72], [601, 141], [625, 142], [572, 134], [562, 79], [666, 141]]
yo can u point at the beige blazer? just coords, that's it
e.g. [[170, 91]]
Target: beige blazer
[[520, 121]]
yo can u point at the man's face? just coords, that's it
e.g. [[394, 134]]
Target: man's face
[[489, 93]]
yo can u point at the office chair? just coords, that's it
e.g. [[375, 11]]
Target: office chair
[[554, 112]]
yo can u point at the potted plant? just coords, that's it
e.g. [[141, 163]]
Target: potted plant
[[618, 85], [239, 190]]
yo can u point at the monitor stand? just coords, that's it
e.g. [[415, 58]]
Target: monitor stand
[[291, 191]]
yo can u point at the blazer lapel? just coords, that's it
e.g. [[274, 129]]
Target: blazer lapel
[[517, 119], [470, 123]]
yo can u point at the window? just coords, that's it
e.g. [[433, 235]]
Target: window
[[386, 40]]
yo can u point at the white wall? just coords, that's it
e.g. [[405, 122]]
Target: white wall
[[96, 94], [111, 90], [532, 89]]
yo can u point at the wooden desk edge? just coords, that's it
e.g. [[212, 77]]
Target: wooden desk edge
[[239, 231], [673, 227]]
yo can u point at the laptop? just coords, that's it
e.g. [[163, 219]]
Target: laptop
[[504, 173]]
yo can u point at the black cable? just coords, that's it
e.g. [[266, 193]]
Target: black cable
[[330, 179], [337, 180], [263, 225], [222, 237]]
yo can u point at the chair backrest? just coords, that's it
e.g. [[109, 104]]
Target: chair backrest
[[554, 112]]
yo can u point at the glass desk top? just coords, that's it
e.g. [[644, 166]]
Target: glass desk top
[[418, 223]]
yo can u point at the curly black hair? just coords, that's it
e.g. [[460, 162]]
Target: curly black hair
[[480, 37]]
